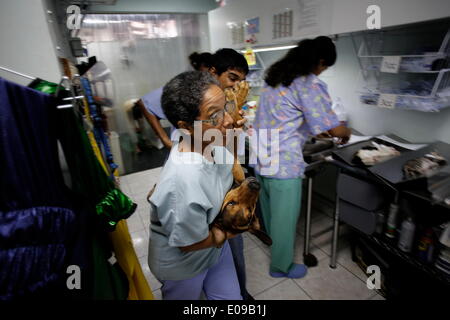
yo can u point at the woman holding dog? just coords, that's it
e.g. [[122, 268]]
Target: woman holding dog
[[295, 101], [185, 254]]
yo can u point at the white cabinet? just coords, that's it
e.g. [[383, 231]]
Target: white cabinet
[[350, 15], [238, 11], [317, 17]]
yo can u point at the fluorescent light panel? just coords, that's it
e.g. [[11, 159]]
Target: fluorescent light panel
[[272, 48]]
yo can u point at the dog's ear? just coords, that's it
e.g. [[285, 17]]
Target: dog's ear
[[238, 172], [255, 229]]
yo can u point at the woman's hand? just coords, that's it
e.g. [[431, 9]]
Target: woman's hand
[[341, 132], [324, 135], [220, 236]]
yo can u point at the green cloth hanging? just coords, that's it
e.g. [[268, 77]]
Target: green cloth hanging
[[114, 207], [44, 86], [109, 205]]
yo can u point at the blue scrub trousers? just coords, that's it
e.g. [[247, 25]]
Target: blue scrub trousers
[[219, 282]]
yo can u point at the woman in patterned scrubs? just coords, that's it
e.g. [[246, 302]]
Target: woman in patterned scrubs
[[296, 103]]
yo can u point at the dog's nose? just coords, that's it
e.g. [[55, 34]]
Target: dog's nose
[[254, 185]]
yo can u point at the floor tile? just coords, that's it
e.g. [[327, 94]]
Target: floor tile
[[321, 224], [249, 241], [125, 189], [140, 198], [143, 207], [344, 259], [151, 280], [142, 182], [286, 290], [315, 216], [299, 249], [324, 241], [323, 206], [324, 283], [135, 223], [140, 243], [378, 297], [257, 271], [145, 217]]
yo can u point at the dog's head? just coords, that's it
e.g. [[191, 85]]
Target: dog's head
[[237, 214]]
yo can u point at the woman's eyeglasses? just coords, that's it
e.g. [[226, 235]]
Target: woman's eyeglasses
[[217, 117]]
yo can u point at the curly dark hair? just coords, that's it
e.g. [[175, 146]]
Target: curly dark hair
[[199, 60], [301, 61], [182, 96]]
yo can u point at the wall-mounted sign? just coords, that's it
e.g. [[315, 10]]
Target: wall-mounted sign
[[250, 57], [390, 64], [308, 14], [252, 25], [237, 33], [387, 101]]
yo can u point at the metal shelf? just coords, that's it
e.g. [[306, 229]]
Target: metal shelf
[[408, 81], [431, 270]]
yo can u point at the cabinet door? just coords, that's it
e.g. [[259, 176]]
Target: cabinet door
[[351, 15]]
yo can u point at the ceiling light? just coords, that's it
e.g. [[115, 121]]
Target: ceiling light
[[271, 48]]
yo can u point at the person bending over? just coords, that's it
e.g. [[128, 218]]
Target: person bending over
[[296, 102]]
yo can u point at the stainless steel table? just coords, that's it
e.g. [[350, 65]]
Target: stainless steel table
[[308, 258]]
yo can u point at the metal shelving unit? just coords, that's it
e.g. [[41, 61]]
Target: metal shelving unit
[[429, 269], [407, 69], [255, 75]]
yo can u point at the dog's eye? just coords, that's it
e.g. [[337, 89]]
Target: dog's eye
[[231, 203]]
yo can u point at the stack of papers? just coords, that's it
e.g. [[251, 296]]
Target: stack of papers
[[355, 139]]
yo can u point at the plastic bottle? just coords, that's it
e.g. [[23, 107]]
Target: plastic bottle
[[407, 235], [339, 109], [381, 220], [425, 247], [443, 260], [392, 221]]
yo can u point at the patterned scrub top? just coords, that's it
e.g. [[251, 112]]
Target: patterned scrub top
[[298, 111]]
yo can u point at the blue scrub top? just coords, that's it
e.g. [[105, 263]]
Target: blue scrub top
[[186, 201], [152, 102]]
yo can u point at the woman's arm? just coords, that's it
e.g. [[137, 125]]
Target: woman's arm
[[156, 125], [216, 238]]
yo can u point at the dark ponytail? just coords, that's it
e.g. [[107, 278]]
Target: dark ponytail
[[301, 61], [199, 60]]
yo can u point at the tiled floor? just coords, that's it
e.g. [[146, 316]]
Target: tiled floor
[[346, 282]]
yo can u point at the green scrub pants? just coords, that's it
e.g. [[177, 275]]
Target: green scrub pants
[[280, 201]]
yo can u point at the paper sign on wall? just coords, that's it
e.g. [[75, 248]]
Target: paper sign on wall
[[390, 64], [387, 101], [250, 57], [252, 25]]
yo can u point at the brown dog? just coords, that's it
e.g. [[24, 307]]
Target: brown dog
[[237, 214]]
